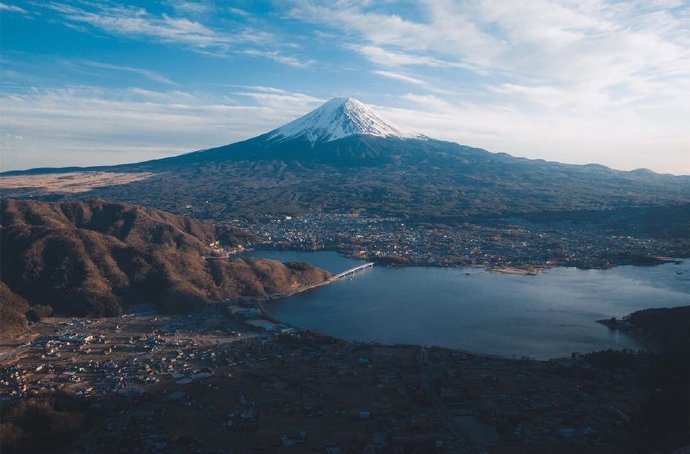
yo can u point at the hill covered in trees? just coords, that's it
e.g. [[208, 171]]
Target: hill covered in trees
[[96, 258]]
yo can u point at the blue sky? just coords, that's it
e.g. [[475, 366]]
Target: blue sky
[[577, 81]]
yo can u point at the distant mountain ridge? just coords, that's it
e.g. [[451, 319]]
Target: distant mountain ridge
[[342, 156]]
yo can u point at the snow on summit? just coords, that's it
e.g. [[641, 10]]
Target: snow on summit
[[338, 118]]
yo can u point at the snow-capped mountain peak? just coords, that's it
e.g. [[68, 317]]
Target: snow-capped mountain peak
[[338, 118]]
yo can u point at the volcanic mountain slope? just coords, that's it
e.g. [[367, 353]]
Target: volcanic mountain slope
[[342, 156], [95, 258]]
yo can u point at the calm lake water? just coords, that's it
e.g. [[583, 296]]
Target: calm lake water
[[545, 316]]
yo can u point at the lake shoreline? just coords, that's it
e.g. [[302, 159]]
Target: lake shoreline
[[630, 330], [514, 314], [524, 269]]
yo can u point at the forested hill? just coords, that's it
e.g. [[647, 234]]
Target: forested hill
[[96, 258]]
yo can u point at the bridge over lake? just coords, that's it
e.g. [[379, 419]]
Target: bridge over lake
[[333, 278], [352, 271]]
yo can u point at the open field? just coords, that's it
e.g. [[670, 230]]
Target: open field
[[70, 183]]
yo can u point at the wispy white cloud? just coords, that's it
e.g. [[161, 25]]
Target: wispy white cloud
[[237, 11], [294, 103], [12, 9], [402, 77], [428, 102], [139, 23], [414, 80], [192, 7], [386, 57], [443, 34], [598, 49], [280, 58], [93, 126], [152, 75]]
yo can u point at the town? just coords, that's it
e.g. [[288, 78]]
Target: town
[[515, 244], [243, 382]]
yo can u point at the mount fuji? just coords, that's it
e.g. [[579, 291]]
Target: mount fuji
[[343, 156], [341, 132], [337, 119]]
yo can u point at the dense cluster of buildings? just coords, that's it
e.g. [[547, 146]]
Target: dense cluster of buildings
[[514, 243]]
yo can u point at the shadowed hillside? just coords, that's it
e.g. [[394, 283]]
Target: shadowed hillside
[[12, 310], [670, 328], [664, 413], [95, 258]]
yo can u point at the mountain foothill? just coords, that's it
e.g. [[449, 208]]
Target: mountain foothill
[[97, 258]]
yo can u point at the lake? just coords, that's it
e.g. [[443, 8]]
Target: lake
[[546, 316]]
